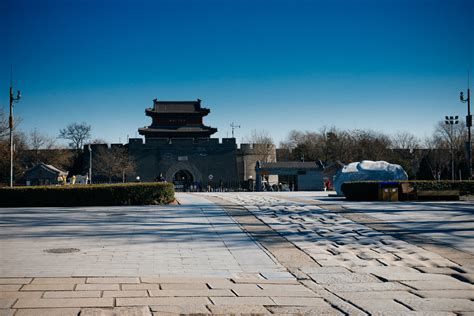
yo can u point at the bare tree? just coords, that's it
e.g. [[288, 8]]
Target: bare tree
[[437, 156], [3, 123], [77, 133], [42, 148], [405, 140], [39, 141], [263, 145], [113, 162]]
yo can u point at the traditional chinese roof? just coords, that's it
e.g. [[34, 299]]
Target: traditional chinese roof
[[177, 119], [292, 165]]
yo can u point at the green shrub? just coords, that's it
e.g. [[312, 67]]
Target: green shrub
[[368, 190], [88, 195]]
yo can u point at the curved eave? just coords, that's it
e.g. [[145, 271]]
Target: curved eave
[[201, 112], [177, 132]]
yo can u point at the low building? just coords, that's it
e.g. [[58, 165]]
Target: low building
[[43, 174], [298, 175]]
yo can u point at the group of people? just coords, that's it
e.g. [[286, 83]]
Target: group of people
[[62, 180]]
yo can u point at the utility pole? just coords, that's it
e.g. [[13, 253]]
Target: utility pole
[[233, 126], [90, 164], [468, 124], [451, 121], [10, 122]]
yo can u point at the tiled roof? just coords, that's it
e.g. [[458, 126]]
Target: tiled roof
[[291, 165]]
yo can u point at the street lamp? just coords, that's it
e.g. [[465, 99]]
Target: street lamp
[[13, 99], [451, 121], [90, 164], [468, 124]]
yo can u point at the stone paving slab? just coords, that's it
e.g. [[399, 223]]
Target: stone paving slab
[[446, 294], [439, 285], [113, 280], [10, 287], [49, 287], [15, 280], [21, 294], [139, 301], [242, 300], [72, 294], [439, 304], [375, 295], [413, 313], [137, 293], [183, 309], [380, 305], [7, 302], [299, 301], [191, 293], [98, 287], [331, 278], [7, 312], [238, 310], [58, 281], [48, 312], [117, 311], [63, 302]]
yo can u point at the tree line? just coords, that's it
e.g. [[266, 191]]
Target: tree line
[[33, 147], [426, 158]]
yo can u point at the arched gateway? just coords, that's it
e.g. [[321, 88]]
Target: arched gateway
[[182, 180]]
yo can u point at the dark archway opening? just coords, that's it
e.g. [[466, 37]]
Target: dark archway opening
[[183, 179]]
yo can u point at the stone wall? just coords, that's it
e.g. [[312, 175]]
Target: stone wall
[[200, 157]]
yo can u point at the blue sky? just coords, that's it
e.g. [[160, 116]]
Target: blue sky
[[276, 65]]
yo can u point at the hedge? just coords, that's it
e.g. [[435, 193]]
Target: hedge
[[368, 190], [88, 195]]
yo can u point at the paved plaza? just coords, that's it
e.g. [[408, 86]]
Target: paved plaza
[[289, 253]]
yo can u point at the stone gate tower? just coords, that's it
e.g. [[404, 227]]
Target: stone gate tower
[[179, 146]]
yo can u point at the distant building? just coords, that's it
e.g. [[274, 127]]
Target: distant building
[[298, 175], [43, 174]]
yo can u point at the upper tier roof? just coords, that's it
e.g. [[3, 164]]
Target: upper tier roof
[[177, 107]]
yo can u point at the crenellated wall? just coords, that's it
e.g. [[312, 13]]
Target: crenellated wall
[[201, 157]]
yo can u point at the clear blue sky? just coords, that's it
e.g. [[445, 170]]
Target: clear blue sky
[[386, 65]]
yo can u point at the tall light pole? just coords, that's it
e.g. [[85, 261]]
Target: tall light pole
[[451, 121], [468, 124], [13, 99], [90, 164]]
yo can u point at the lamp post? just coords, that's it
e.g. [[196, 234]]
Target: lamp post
[[451, 121], [468, 124], [90, 164], [11, 125]]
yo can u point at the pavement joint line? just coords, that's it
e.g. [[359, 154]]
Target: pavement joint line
[[404, 304]]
